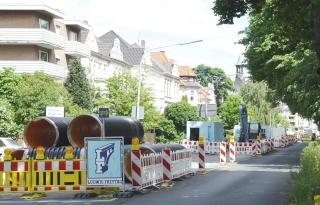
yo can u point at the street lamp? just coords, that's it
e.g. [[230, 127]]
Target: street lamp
[[270, 115], [139, 78]]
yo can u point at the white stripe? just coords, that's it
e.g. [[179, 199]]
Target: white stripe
[[7, 166], [82, 165], [21, 166], [40, 166], [69, 165], [55, 165]]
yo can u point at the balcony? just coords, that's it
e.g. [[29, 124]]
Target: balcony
[[76, 48], [32, 66], [31, 36]]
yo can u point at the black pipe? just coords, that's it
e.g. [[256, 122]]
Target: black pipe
[[91, 126], [47, 132]]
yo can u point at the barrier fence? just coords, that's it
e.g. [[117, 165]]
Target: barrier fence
[[150, 170]]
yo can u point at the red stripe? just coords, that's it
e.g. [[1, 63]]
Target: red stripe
[[201, 156], [62, 165], [47, 165], [14, 189], [47, 188], [62, 188], [26, 167], [76, 188], [76, 165], [136, 169], [35, 166], [14, 166], [137, 154], [1, 189], [1, 166], [135, 183], [166, 165]]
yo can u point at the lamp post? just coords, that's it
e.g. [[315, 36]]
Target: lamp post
[[270, 115], [139, 78]]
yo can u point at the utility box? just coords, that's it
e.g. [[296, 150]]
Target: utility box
[[210, 131]]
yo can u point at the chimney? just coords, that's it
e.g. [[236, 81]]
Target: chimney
[[143, 43], [85, 21]]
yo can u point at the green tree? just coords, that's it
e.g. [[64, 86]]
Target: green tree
[[229, 112], [8, 128], [121, 93], [255, 95], [283, 48], [8, 81], [180, 113], [222, 84], [78, 84], [37, 91]]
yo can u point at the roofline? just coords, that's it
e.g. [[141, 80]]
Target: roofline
[[29, 7], [110, 59], [75, 23]]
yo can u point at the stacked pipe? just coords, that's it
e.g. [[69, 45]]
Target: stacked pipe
[[54, 134]]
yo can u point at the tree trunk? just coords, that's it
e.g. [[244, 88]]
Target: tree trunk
[[316, 27]]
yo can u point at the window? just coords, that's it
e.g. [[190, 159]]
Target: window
[[43, 24], [58, 60], [57, 29], [43, 56], [73, 36]]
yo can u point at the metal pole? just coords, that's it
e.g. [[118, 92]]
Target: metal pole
[[139, 78]]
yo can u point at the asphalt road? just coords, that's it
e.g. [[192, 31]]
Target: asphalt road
[[249, 181]]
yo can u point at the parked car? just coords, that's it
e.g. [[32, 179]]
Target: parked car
[[7, 143]]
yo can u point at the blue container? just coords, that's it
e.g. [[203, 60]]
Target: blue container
[[210, 131]]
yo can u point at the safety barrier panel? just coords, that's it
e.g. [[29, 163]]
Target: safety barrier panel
[[223, 153], [41, 176], [232, 152], [244, 147], [15, 176], [191, 145], [212, 147], [152, 169], [201, 156]]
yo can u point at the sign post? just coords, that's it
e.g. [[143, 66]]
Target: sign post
[[105, 162]]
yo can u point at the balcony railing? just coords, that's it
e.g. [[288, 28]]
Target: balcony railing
[[77, 48], [32, 66], [31, 36]]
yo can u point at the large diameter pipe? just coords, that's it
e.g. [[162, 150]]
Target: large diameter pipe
[[47, 132], [92, 126], [145, 149]]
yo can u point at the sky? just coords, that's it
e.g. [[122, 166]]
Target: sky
[[161, 23]]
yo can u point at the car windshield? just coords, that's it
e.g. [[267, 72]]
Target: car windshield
[[10, 142]]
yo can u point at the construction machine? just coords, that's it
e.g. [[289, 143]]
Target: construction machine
[[248, 130]]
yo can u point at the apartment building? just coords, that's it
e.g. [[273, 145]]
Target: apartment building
[[38, 38]]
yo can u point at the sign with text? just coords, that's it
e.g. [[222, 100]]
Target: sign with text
[[104, 162], [54, 111]]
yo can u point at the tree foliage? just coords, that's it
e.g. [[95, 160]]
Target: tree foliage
[[282, 48], [78, 84], [121, 95], [229, 112], [222, 84], [180, 113]]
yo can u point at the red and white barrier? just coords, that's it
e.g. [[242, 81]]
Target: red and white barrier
[[223, 153], [201, 157], [136, 169], [212, 147], [166, 163], [49, 165], [232, 152], [151, 170], [191, 145]]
